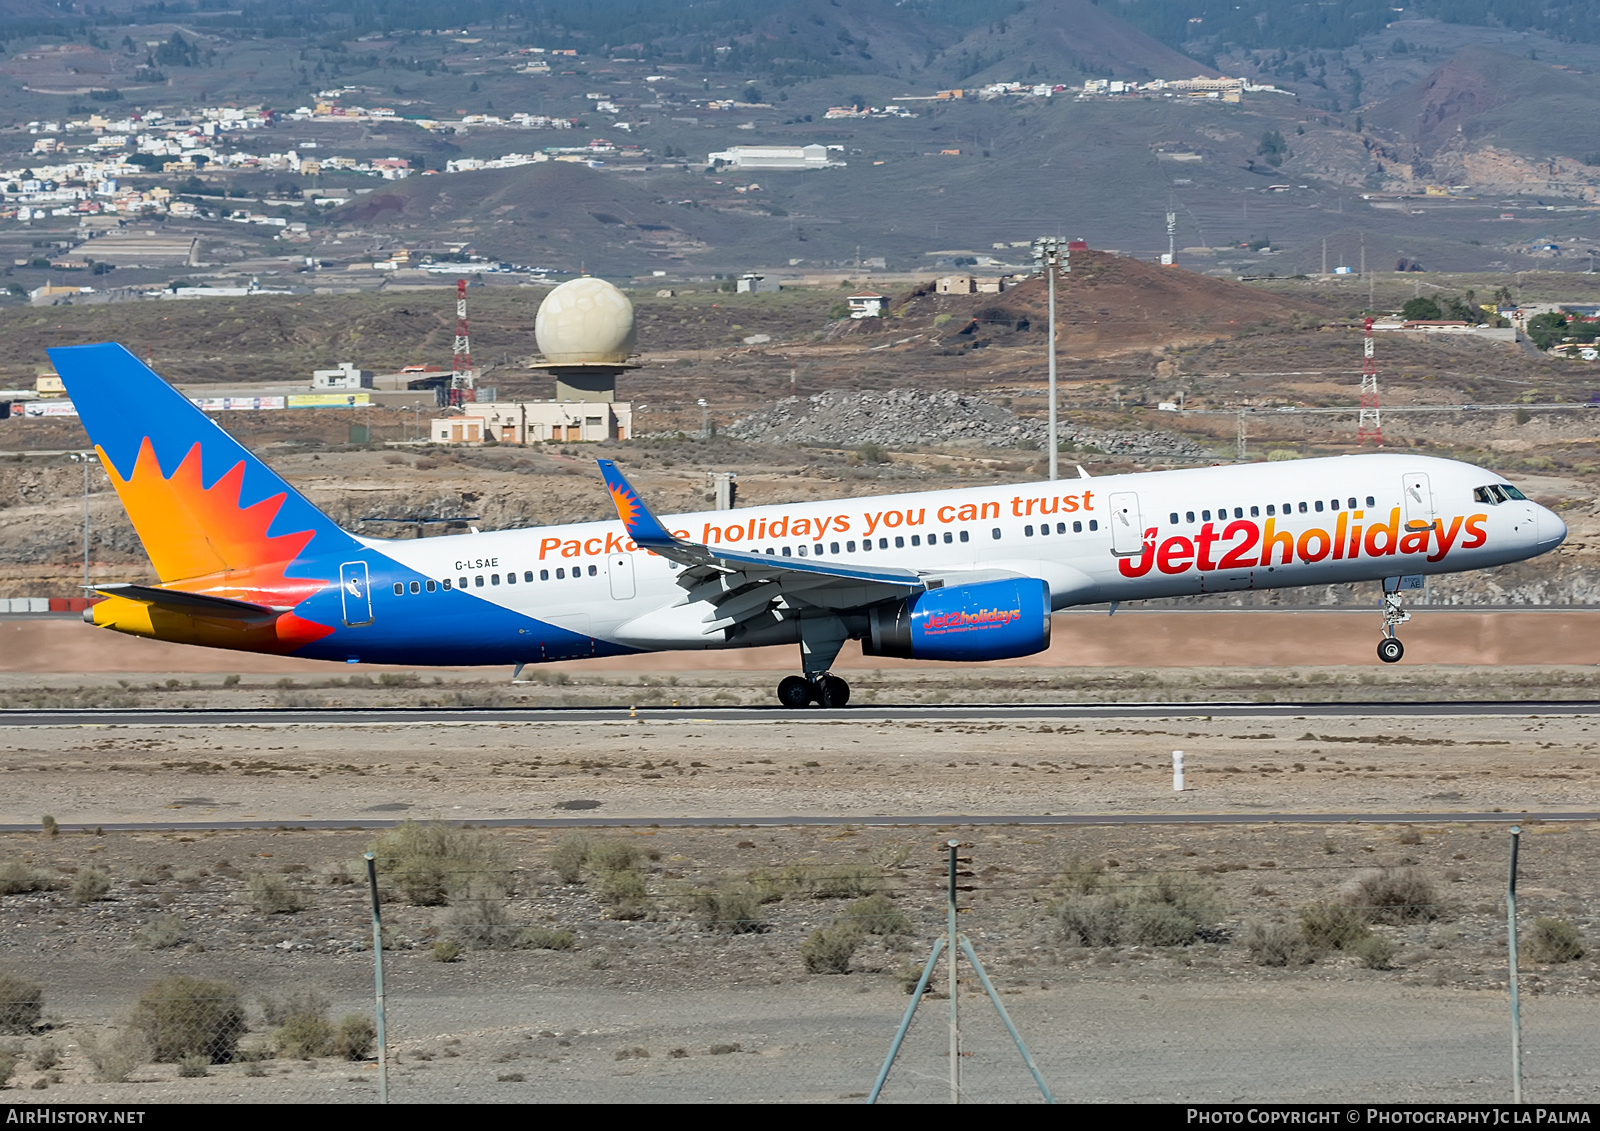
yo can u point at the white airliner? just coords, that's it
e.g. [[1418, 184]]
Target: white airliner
[[967, 574]]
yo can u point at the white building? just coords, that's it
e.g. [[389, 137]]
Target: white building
[[346, 376], [753, 284], [774, 157], [534, 422]]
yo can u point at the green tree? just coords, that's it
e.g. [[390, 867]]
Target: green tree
[[1421, 310], [1273, 148]]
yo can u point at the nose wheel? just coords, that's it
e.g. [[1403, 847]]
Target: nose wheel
[[1390, 650], [796, 691]]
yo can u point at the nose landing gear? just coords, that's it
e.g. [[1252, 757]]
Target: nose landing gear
[[1389, 647], [796, 691]]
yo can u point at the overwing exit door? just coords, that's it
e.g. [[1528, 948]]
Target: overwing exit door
[[355, 593], [1127, 528]]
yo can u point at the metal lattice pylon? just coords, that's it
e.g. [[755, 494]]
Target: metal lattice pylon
[[461, 376], [1370, 422]]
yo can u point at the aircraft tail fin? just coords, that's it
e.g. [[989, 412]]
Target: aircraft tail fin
[[202, 504]]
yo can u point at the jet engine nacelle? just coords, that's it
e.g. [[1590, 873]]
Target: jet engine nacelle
[[988, 620]]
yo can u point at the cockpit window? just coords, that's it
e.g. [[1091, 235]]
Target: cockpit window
[[1486, 495], [1511, 492]]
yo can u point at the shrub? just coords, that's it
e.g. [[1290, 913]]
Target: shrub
[[1276, 944], [353, 1037], [607, 856], [480, 924], [568, 857], [877, 915], [1154, 909], [271, 894], [160, 933], [1553, 940], [830, 949], [21, 1004], [181, 1016], [115, 1057], [193, 1066], [734, 908], [445, 950], [303, 1036], [1394, 895], [1332, 926], [46, 1057], [431, 863], [89, 885], [9, 1059], [625, 893], [17, 878], [545, 938], [844, 881], [1375, 952]]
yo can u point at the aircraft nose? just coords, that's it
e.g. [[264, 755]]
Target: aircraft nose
[[1552, 529]]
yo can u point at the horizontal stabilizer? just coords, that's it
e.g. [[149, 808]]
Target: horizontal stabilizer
[[192, 604]]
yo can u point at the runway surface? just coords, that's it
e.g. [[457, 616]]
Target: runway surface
[[936, 821], [444, 716]]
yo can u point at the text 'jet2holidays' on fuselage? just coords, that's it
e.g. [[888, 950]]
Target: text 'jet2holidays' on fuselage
[[246, 562]]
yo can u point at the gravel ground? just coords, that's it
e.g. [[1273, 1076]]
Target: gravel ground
[[912, 417], [666, 1008]]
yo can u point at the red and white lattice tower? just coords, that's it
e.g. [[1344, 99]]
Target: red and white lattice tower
[[462, 378], [1370, 422]]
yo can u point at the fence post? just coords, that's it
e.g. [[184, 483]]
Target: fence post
[[377, 974], [1511, 958], [955, 1012]]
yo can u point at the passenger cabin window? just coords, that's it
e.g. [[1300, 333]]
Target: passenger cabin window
[[833, 547], [1205, 516], [899, 542], [1351, 503], [850, 547], [544, 575], [1094, 524], [561, 574], [1319, 506], [511, 579], [527, 575], [995, 533], [399, 588], [1303, 508], [463, 582], [1255, 512], [947, 538], [447, 583], [1371, 502], [963, 536], [1077, 527], [431, 586], [1188, 517], [1027, 531], [594, 571], [416, 587]]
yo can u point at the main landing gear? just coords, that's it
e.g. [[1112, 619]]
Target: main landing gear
[[826, 691], [1389, 647]]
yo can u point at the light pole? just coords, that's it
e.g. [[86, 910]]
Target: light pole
[[83, 458], [1049, 254]]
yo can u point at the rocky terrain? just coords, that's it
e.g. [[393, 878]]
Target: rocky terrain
[[900, 418]]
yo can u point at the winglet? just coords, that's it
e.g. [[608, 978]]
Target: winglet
[[642, 526]]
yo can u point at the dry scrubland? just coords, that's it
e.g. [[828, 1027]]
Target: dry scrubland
[[1133, 958]]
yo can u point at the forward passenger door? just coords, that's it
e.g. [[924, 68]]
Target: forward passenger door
[[1127, 528]]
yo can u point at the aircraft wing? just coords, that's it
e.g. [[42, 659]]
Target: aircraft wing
[[741, 585]]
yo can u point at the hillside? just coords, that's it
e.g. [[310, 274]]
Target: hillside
[[1484, 97], [1107, 303], [1054, 39]]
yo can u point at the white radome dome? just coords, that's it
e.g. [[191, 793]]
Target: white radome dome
[[585, 320]]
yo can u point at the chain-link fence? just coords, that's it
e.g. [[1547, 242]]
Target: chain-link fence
[[1194, 964]]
